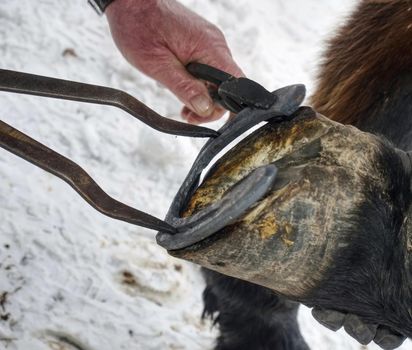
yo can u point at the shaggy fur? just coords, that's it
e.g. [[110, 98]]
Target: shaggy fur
[[364, 61], [365, 80], [250, 316], [369, 275]]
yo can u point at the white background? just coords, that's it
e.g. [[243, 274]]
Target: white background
[[62, 263]]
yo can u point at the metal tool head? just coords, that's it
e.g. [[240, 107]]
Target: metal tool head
[[239, 93]]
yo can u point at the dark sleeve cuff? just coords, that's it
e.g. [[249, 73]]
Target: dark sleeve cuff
[[100, 5]]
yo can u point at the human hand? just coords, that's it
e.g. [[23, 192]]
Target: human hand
[[160, 38]]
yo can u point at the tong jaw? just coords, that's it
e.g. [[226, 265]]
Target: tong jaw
[[234, 94], [240, 93]]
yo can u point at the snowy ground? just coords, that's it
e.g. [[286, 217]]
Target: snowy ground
[[71, 275]]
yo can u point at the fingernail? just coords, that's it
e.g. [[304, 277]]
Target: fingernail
[[202, 105]]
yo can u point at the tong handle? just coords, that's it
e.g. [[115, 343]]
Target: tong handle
[[25, 83], [208, 73], [33, 151]]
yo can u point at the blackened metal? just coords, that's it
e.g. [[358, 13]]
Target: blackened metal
[[234, 94], [31, 84], [208, 73], [100, 5], [243, 92], [29, 149], [288, 100]]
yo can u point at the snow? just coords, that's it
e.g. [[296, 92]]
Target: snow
[[74, 278]]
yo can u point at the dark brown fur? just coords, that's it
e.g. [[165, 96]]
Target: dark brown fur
[[364, 60]]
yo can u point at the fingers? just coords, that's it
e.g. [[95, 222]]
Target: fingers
[[161, 39], [363, 332], [193, 92], [222, 60], [193, 118], [219, 56]]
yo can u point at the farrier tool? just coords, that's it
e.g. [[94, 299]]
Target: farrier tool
[[251, 101]]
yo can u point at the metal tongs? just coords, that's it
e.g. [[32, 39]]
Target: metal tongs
[[239, 95]]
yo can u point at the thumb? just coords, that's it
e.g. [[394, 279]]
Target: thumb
[[191, 91]]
